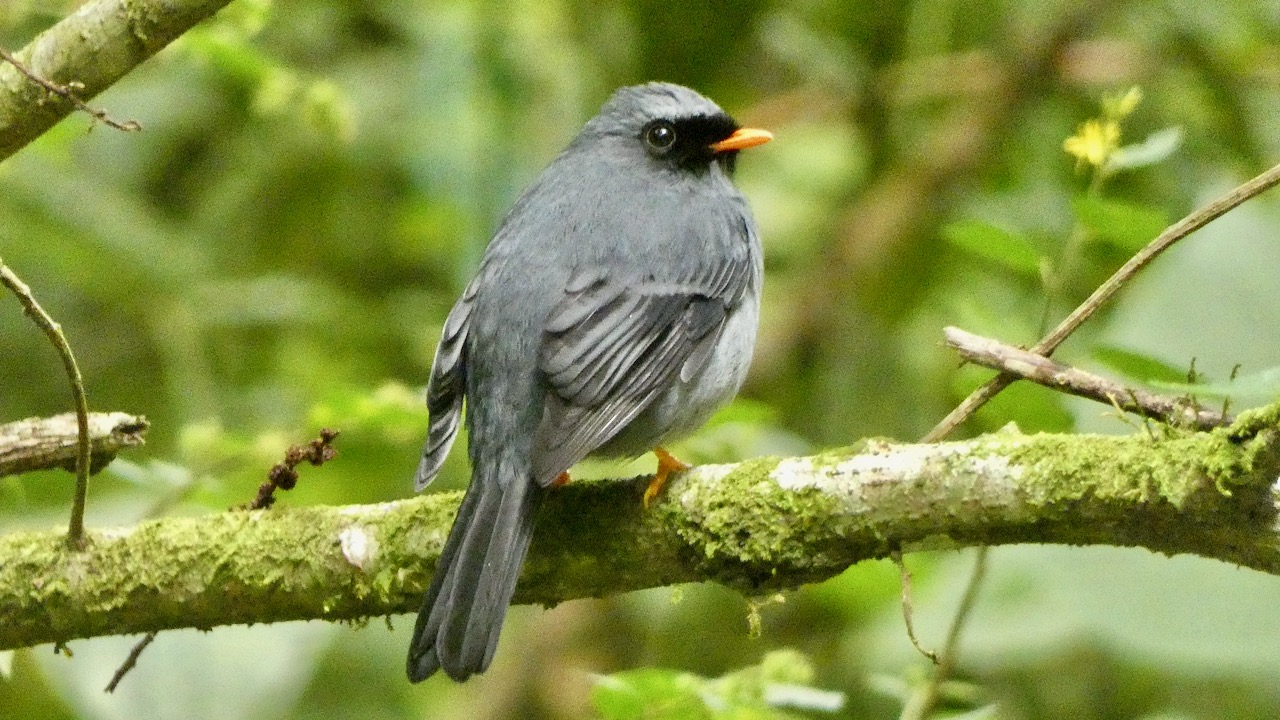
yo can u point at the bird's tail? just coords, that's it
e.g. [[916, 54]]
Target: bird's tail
[[462, 613]]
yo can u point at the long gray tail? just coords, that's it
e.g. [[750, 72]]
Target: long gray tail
[[462, 613]]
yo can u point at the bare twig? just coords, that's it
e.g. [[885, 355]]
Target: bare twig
[[130, 661], [75, 529], [66, 92], [1053, 374], [99, 43], [919, 706], [52, 442], [1106, 291], [283, 475], [908, 607]]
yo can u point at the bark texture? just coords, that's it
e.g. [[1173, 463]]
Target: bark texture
[[42, 443]]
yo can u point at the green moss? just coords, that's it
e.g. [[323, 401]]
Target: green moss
[[1138, 468], [747, 518], [1253, 421]]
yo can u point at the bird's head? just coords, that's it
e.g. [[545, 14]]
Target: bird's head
[[672, 126]]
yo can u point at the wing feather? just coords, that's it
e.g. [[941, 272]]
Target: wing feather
[[446, 389], [614, 342]]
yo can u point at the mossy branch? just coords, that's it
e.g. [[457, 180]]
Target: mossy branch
[[761, 524], [88, 50]]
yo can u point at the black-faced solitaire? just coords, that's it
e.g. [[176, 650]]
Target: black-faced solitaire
[[614, 310]]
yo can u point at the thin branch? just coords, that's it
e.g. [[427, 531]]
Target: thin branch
[[53, 442], [919, 706], [65, 92], [131, 661], [908, 607], [1041, 370], [759, 526], [1107, 291], [75, 529]]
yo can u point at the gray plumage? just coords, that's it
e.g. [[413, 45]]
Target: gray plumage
[[614, 309]]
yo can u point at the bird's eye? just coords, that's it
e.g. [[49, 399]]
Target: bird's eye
[[660, 136]]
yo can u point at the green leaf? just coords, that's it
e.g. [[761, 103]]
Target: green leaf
[[1137, 366], [1127, 226], [649, 693], [744, 410], [1162, 376], [1158, 146], [989, 242]]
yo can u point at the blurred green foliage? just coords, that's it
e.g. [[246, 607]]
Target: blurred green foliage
[[314, 185], [774, 689]]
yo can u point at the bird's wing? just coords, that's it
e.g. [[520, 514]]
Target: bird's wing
[[447, 387], [613, 342]]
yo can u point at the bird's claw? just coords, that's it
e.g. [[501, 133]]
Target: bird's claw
[[667, 464]]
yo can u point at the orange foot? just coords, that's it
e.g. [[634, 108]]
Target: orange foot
[[561, 480], [667, 464]]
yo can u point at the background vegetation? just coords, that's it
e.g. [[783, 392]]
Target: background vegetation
[[277, 250]]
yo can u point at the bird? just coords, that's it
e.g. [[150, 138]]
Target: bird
[[614, 310]]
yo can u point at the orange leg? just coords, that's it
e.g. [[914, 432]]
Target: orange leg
[[561, 480], [667, 464]]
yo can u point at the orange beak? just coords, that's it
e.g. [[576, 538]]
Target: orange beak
[[741, 139]]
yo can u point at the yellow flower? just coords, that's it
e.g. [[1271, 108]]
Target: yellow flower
[[1094, 142]]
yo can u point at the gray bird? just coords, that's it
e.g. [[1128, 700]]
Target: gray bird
[[614, 310]]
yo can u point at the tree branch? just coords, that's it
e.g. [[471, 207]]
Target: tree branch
[[1041, 370], [43, 443], [761, 524], [90, 50], [53, 331]]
